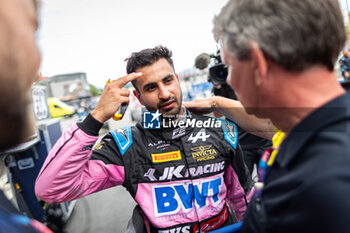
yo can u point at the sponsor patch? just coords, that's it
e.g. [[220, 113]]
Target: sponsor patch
[[178, 132], [213, 223], [89, 147], [166, 157], [200, 135], [123, 133], [180, 171], [98, 146], [230, 132], [151, 144], [181, 229], [172, 198], [123, 138], [202, 153], [163, 148], [160, 145]]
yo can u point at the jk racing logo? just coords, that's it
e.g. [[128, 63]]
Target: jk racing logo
[[181, 172], [151, 120], [171, 198]]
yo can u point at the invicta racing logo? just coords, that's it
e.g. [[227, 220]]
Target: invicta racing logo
[[201, 153]]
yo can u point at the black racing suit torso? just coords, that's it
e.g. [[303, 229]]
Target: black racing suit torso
[[185, 179], [182, 170]]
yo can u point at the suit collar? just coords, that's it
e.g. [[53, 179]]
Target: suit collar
[[332, 112]]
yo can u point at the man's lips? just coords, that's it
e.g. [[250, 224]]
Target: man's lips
[[168, 105]]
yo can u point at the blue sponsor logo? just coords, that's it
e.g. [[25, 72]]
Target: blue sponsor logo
[[169, 199], [151, 120]]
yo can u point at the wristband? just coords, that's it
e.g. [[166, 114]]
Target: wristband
[[213, 105]]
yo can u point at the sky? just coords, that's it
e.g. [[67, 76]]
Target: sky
[[95, 36], [344, 5]]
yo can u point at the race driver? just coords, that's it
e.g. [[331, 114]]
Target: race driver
[[185, 171]]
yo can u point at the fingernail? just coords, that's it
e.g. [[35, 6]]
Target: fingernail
[[139, 73]]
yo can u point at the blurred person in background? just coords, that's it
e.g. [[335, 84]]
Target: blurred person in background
[[19, 64], [344, 62]]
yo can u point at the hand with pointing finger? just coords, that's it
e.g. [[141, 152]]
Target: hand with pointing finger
[[112, 97]]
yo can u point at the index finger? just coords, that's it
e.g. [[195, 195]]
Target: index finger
[[128, 78]]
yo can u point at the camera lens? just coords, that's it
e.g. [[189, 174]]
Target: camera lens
[[218, 74]]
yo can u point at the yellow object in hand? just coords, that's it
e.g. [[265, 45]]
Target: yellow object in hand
[[120, 113]]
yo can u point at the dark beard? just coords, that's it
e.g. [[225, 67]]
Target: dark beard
[[13, 118], [174, 114]]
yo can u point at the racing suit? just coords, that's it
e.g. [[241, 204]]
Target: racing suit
[[185, 179]]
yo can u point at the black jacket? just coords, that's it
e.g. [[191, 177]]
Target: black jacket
[[308, 187]]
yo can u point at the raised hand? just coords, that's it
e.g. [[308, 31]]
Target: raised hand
[[113, 96]]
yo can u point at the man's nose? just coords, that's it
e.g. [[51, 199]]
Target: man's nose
[[163, 92]]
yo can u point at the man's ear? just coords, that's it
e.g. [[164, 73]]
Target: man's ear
[[138, 96], [259, 63]]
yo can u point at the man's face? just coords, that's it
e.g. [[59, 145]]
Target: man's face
[[18, 50], [19, 64], [159, 88], [241, 79]]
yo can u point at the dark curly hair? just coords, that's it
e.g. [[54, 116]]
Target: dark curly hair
[[147, 57]]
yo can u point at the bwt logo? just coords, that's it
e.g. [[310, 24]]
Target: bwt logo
[[151, 120], [170, 199]]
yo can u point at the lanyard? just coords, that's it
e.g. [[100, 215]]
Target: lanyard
[[267, 160]]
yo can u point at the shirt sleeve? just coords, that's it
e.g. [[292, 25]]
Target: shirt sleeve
[[239, 184], [73, 170], [237, 176]]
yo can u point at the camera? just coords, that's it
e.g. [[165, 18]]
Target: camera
[[217, 70]]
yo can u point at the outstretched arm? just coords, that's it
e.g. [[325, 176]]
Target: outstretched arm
[[235, 111]]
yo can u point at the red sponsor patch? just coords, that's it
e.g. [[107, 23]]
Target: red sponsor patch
[[212, 224], [166, 157], [266, 155]]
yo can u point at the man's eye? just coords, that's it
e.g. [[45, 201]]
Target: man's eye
[[168, 80], [152, 88]]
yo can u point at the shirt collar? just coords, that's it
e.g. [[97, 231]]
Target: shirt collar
[[336, 110]]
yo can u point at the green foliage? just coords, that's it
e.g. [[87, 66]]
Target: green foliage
[[95, 91], [41, 82]]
